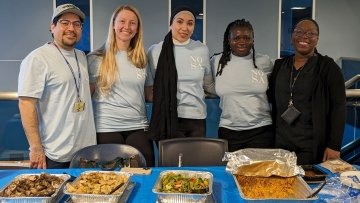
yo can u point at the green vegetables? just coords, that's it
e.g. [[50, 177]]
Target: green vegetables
[[177, 183]]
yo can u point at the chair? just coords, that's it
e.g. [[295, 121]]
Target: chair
[[107, 152], [194, 151]]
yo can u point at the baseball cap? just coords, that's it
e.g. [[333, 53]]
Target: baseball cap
[[68, 8]]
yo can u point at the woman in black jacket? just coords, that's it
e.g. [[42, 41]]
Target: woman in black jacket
[[307, 93]]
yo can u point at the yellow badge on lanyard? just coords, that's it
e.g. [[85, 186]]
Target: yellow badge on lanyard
[[79, 106]]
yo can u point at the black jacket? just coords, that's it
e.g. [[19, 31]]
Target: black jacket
[[328, 103]]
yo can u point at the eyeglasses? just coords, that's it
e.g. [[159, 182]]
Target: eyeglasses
[[67, 23], [300, 33]]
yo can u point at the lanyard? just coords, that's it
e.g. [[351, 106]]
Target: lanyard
[[293, 81], [72, 71]]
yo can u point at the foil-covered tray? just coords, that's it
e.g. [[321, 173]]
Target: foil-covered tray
[[98, 198], [165, 197], [262, 162], [299, 186], [55, 197]]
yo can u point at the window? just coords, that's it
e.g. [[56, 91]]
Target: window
[[291, 12]]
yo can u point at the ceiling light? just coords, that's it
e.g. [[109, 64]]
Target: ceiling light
[[297, 8]]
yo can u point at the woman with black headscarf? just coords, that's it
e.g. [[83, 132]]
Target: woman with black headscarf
[[181, 71]]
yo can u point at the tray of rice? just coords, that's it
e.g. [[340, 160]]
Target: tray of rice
[[273, 189]]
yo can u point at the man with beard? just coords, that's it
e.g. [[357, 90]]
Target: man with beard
[[54, 94]]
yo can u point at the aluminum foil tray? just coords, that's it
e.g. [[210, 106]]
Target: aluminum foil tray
[[124, 197], [313, 174], [301, 188], [90, 198], [53, 198], [163, 197]]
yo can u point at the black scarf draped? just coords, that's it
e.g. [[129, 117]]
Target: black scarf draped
[[164, 117]]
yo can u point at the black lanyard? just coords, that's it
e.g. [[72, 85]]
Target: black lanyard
[[293, 81], [72, 71]]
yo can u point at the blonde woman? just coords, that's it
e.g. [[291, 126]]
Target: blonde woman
[[117, 77]]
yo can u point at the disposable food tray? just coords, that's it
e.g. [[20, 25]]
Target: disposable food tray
[[302, 190], [313, 175], [164, 197], [53, 198], [89, 198], [124, 197]]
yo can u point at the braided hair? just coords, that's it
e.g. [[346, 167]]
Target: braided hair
[[225, 57]]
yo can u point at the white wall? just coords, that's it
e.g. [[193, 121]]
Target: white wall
[[154, 14], [263, 15], [25, 26], [339, 22]]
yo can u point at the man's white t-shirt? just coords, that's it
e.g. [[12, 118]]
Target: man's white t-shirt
[[45, 75]]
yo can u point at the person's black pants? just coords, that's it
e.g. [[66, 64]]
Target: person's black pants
[[191, 127], [54, 164], [135, 138], [261, 137]]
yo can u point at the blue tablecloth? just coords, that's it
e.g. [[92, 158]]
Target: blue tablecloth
[[224, 187]]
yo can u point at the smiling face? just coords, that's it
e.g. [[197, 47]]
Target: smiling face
[[183, 26], [66, 36], [305, 37], [241, 40], [125, 26]]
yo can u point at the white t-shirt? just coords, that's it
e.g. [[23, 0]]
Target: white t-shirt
[[123, 109], [45, 75], [192, 64], [242, 91]]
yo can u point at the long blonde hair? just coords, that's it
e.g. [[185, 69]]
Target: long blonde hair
[[136, 53]]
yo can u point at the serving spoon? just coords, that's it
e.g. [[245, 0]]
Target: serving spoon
[[116, 188], [314, 193]]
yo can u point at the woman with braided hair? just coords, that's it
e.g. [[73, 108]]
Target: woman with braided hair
[[241, 83]]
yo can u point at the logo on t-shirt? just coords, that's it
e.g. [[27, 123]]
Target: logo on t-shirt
[[257, 76], [196, 62], [140, 73]]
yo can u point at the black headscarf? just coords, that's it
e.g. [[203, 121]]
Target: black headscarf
[[164, 111], [179, 9], [164, 117]]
